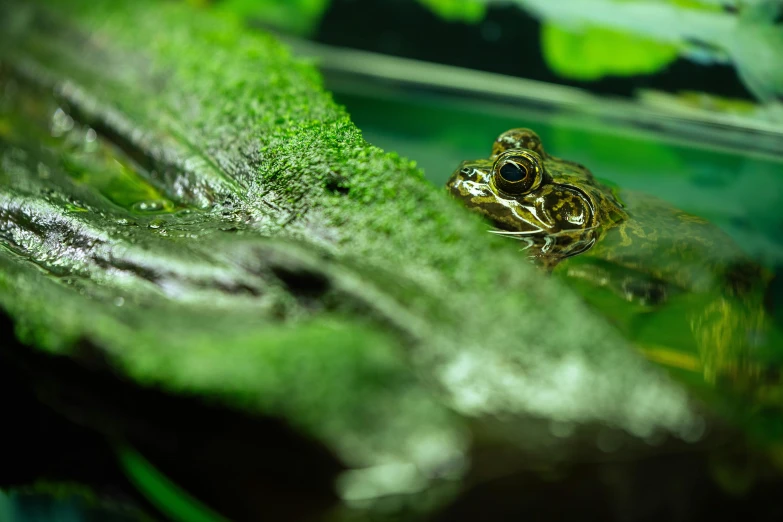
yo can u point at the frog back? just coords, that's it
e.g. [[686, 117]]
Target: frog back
[[680, 249]]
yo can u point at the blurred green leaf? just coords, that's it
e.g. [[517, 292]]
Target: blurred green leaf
[[597, 52], [161, 492], [297, 16], [470, 11]]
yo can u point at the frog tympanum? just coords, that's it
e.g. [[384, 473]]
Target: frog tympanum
[[676, 284]]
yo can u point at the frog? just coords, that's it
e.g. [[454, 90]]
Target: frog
[[675, 284], [556, 207]]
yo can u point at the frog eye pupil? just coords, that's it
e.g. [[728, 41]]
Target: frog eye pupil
[[513, 172], [517, 172]]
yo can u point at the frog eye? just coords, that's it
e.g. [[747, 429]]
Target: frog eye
[[518, 171]]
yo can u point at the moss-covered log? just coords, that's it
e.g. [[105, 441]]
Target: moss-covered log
[[182, 205]]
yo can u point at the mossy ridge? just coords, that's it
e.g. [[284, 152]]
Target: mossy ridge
[[430, 315]]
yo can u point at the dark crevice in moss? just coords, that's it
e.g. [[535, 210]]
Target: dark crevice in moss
[[305, 285]]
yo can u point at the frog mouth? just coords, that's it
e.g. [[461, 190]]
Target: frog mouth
[[553, 245], [518, 233], [540, 232]]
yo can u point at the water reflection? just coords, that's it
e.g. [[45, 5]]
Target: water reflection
[[61, 507], [89, 160]]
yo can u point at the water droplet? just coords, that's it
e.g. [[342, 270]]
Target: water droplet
[[153, 205], [119, 301], [90, 136], [122, 221], [156, 223], [61, 123]]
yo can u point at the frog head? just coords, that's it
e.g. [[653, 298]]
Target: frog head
[[555, 206]]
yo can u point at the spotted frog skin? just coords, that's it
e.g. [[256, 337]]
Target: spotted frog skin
[[555, 206]]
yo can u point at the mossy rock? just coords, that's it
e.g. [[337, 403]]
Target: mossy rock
[[185, 211]]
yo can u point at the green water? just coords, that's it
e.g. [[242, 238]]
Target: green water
[[93, 162], [64, 507], [740, 192]]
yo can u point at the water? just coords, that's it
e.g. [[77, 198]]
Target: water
[[733, 186], [94, 163], [61, 507], [739, 191]]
